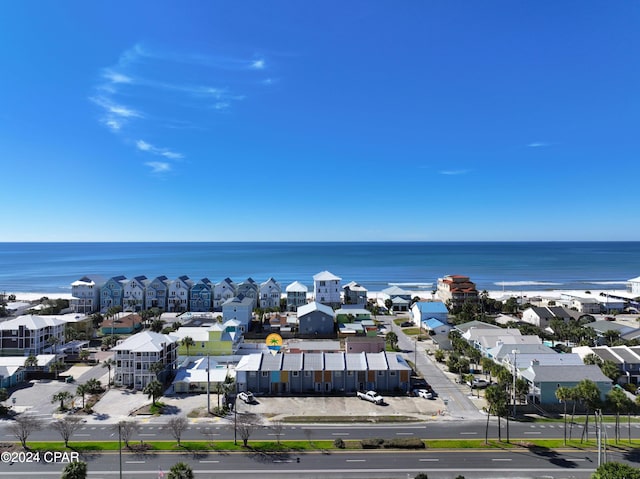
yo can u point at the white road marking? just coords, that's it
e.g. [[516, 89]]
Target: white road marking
[[404, 434], [533, 432], [339, 433], [505, 460], [209, 462], [356, 460], [429, 460], [468, 433]]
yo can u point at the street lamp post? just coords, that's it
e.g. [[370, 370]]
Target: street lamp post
[[120, 447], [515, 374]]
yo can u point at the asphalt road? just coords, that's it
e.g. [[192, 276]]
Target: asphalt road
[[378, 464]]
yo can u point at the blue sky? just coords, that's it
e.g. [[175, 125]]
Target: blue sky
[[289, 120]]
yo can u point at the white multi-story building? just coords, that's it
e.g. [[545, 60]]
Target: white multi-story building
[[270, 292], [179, 294], [85, 294], [31, 334], [135, 355], [326, 289]]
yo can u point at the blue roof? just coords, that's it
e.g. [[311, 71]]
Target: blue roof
[[432, 307], [432, 323]]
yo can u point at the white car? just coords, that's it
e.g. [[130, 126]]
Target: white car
[[423, 393], [247, 397], [478, 383], [370, 396]]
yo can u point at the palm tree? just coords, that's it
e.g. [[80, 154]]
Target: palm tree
[[81, 391], [108, 364], [157, 368], [617, 400], [62, 396], [563, 394], [157, 325], [392, 339], [180, 470], [75, 470], [31, 362], [153, 390], [56, 366], [589, 395], [187, 342]]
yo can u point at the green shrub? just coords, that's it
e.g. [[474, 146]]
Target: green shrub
[[405, 443], [339, 443], [372, 443]]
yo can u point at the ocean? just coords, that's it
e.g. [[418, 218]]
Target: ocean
[[52, 267]]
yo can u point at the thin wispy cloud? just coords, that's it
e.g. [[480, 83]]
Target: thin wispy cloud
[[538, 144], [115, 77], [151, 90], [158, 166], [454, 172], [148, 147]]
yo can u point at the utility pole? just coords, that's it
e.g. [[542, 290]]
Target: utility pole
[[515, 374], [208, 388], [120, 447]]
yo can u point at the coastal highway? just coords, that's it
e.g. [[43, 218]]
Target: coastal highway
[[353, 465]]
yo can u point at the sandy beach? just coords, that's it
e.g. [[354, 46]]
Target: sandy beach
[[502, 295]]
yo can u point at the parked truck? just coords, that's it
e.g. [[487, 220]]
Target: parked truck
[[370, 396]]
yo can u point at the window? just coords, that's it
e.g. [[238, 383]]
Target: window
[[295, 374], [392, 373], [380, 373], [349, 373], [338, 374], [307, 374], [265, 374]]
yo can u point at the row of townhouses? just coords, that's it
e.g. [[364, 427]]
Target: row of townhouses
[[92, 293]]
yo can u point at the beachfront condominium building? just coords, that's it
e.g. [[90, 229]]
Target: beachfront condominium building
[[326, 289], [179, 290], [135, 355], [222, 291], [200, 298], [454, 290], [354, 293], [296, 295], [31, 334], [270, 292], [85, 294], [112, 293], [158, 293], [249, 289], [134, 293]]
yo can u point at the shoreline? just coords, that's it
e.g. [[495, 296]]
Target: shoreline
[[552, 294]]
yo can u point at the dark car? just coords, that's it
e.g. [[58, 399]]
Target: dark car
[[406, 324]]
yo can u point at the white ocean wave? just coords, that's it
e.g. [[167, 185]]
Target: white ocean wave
[[605, 282], [420, 285], [527, 283]]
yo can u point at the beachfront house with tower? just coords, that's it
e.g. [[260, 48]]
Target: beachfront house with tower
[[134, 293], [296, 295], [85, 294], [112, 293], [270, 292], [157, 293], [179, 290], [249, 289], [200, 296], [326, 289], [354, 293], [222, 291]]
